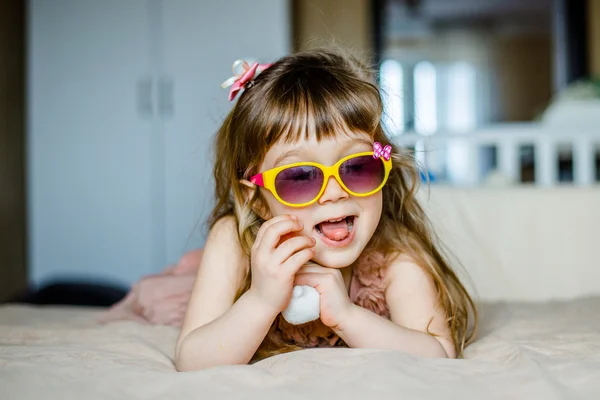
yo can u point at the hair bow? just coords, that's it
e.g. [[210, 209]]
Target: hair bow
[[379, 151], [238, 81]]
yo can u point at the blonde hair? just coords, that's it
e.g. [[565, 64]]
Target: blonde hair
[[324, 93]]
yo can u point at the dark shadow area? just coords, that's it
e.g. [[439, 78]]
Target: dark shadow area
[[73, 294]]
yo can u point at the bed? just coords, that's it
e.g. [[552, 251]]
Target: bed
[[525, 351], [530, 253]]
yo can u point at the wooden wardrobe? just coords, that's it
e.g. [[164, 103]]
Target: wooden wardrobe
[[13, 270]]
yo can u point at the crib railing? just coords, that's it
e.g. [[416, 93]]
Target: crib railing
[[583, 145]]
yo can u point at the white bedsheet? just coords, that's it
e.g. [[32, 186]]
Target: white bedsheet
[[544, 351]]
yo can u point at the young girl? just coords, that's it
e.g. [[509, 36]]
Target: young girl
[[307, 193]]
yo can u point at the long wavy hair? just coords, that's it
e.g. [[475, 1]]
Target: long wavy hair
[[323, 93]]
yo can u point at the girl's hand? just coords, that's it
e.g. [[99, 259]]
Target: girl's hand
[[274, 262], [335, 302]]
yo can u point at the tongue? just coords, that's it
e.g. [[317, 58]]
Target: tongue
[[335, 230]]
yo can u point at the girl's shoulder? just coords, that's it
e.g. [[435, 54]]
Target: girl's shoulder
[[223, 251], [390, 272], [224, 234], [225, 224], [404, 270]]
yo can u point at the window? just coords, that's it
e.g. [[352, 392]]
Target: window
[[392, 85], [460, 99], [425, 82], [460, 106]]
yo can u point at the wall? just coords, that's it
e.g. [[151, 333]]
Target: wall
[[524, 70], [334, 23], [12, 141]]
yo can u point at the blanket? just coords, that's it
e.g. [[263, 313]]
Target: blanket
[[524, 351]]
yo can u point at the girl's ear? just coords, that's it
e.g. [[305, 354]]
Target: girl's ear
[[248, 184], [259, 206], [248, 189]]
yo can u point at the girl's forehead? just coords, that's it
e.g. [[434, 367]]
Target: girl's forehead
[[314, 141], [313, 148]]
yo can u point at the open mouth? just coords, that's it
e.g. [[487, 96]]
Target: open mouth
[[337, 230]]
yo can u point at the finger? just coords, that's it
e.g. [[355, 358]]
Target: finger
[[316, 268], [291, 246], [323, 278], [268, 223], [298, 259], [309, 279], [271, 237]]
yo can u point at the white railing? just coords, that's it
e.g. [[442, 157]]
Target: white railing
[[548, 142]]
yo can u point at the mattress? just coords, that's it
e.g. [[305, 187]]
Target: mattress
[[546, 350]]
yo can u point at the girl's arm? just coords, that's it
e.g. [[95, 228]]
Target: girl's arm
[[412, 299], [216, 331]]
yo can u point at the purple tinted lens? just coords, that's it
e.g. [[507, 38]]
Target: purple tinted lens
[[362, 174], [297, 185]]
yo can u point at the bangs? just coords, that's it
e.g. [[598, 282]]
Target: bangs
[[315, 101]]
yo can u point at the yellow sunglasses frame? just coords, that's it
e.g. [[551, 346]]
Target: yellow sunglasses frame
[[266, 179]]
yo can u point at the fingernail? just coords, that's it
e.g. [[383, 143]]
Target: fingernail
[[295, 218]]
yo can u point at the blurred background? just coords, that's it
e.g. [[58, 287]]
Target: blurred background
[[108, 108]]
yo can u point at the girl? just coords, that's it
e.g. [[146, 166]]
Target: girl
[[307, 193]]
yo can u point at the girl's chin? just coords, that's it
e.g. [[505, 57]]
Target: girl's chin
[[336, 259]]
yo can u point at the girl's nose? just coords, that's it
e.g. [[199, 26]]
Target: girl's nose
[[333, 192]]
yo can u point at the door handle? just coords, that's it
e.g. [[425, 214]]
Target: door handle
[[145, 105], [166, 96]]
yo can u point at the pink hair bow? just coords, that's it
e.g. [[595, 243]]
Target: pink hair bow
[[239, 80], [379, 151]]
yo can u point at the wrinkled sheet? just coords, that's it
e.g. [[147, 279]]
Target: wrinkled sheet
[[524, 351]]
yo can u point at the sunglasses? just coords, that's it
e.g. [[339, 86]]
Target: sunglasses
[[301, 184]]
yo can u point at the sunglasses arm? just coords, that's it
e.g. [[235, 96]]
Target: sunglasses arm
[[258, 180]]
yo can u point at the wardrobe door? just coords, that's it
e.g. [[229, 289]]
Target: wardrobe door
[[201, 41], [91, 128]]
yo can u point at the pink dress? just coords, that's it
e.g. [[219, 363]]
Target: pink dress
[[367, 290]]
